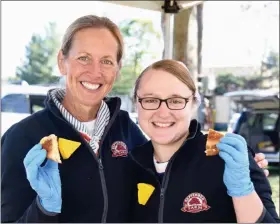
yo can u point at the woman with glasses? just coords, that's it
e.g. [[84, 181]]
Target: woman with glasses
[[174, 180]]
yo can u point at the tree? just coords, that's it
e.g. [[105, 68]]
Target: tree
[[40, 58], [138, 37], [182, 45], [199, 19], [188, 33], [227, 83], [270, 64]]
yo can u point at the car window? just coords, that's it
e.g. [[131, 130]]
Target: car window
[[251, 119], [269, 121], [37, 102], [15, 103], [36, 108]]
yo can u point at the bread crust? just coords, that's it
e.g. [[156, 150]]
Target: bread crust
[[213, 138], [50, 144]]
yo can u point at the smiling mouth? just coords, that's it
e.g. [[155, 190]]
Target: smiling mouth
[[90, 86], [163, 125]]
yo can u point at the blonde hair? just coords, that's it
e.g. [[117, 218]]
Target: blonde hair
[[91, 21], [176, 68]]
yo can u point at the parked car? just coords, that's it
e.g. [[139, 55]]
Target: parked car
[[259, 124], [18, 102]]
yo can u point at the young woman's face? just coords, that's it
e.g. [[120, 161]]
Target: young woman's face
[[164, 126], [91, 66]]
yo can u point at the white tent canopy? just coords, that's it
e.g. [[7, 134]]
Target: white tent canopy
[[157, 6]]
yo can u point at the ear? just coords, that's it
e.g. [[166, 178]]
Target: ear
[[119, 68], [61, 63], [136, 105], [194, 109], [120, 65]]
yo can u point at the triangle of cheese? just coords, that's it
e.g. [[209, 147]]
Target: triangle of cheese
[[144, 192], [67, 147]]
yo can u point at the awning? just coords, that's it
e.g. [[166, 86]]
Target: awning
[[169, 10]]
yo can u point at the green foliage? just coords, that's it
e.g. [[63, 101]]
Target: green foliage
[[138, 37], [124, 82], [252, 81], [40, 58], [269, 71], [270, 65], [227, 82]]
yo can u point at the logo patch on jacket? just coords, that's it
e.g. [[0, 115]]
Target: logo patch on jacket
[[194, 203], [119, 149]]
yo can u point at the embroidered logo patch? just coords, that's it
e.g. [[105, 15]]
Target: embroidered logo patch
[[194, 203], [119, 149]]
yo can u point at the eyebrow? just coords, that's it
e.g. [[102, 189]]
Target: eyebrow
[[171, 96], [84, 52], [149, 94]]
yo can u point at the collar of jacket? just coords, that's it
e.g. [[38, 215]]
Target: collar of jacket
[[114, 104], [143, 155]]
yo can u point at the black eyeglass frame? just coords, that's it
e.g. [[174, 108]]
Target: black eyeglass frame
[[163, 100]]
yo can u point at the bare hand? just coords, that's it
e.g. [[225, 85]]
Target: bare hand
[[262, 162]]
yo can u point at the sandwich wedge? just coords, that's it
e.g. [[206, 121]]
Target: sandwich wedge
[[50, 144], [213, 139]]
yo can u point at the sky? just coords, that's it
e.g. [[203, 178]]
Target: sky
[[236, 38], [231, 38]]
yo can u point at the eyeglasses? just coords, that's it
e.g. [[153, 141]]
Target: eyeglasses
[[173, 103]]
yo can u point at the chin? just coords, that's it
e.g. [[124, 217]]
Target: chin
[[161, 140], [90, 103]]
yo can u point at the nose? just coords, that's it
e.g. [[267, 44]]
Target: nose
[[163, 110], [95, 67]]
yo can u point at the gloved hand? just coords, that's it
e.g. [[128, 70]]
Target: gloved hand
[[44, 180], [233, 150]]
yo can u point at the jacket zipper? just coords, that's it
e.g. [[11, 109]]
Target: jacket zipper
[[165, 181], [101, 169], [163, 188], [104, 189], [99, 161]]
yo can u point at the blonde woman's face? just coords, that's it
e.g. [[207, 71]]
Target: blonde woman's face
[[91, 66], [164, 126]]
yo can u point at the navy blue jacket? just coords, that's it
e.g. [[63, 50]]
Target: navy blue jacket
[[192, 189], [93, 189]]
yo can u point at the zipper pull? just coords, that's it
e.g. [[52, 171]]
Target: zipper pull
[[100, 164], [161, 192]]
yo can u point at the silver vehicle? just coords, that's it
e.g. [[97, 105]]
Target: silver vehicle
[[259, 122], [19, 101]]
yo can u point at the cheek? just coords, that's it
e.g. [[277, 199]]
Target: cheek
[[74, 69], [144, 116], [184, 116], [110, 76]]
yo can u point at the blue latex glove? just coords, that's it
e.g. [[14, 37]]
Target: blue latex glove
[[233, 150], [44, 180]]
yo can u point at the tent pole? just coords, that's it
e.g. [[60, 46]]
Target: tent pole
[[170, 7], [169, 36]]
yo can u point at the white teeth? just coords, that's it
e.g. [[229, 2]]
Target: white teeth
[[90, 86], [163, 125]]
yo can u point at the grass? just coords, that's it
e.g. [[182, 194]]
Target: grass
[[274, 179]]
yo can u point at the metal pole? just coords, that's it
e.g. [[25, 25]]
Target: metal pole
[[170, 7], [169, 34]]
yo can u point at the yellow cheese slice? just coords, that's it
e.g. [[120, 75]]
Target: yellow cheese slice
[[67, 147], [144, 192]]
